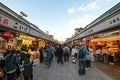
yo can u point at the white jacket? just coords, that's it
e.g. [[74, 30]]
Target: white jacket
[[91, 55], [74, 51]]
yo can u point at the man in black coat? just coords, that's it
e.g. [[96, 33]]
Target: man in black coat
[[59, 53]]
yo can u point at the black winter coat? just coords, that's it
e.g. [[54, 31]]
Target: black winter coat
[[59, 52]]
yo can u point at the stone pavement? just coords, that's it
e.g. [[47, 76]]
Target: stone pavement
[[111, 70], [67, 71]]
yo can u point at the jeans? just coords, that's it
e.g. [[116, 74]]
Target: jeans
[[60, 59], [49, 61], [66, 57], [88, 63], [81, 69], [31, 77]]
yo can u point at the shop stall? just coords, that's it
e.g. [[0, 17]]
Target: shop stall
[[109, 43]]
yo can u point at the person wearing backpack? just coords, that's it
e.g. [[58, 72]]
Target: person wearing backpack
[[11, 65], [82, 52], [66, 52]]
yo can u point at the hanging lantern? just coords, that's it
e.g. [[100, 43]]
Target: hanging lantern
[[88, 38], [7, 35], [36, 39]]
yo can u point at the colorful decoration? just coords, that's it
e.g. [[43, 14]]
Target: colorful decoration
[[7, 35]]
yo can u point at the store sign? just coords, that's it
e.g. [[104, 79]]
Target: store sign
[[4, 20], [89, 32], [13, 24], [17, 25], [6, 35], [105, 34], [34, 32], [108, 24], [115, 20], [20, 27]]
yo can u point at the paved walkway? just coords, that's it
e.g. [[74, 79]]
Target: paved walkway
[[67, 72], [111, 70]]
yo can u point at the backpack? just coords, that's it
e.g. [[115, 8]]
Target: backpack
[[10, 66], [66, 50], [81, 54]]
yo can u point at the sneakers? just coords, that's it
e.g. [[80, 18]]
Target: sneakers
[[88, 68]]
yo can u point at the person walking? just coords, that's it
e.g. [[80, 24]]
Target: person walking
[[66, 54], [53, 51], [11, 62], [41, 54], [88, 58], [98, 54], [44, 56], [59, 52], [49, 56], [92, 53], [82, 59], [74, 54], [27, 67]]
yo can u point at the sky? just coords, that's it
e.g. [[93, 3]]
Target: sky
[[60, 17]]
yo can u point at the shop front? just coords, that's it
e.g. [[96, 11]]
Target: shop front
[[41, 43], [24, 40], [109, 43], [7, 41]]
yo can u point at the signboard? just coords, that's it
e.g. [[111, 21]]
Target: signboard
[[10, 23], [13, 24], [110, 23]]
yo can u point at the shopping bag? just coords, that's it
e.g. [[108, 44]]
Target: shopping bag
[[34, 64]]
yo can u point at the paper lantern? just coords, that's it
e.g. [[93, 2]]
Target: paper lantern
[[6, 35]]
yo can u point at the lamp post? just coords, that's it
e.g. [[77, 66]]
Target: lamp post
[[23, 14]]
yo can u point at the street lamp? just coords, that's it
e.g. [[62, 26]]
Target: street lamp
[[23, 14]]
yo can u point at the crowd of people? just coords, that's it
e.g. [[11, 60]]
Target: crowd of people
[[19, 64], [61, 53]]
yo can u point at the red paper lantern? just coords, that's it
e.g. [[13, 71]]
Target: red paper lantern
[[6, 35], [88, 38], [36, 39]]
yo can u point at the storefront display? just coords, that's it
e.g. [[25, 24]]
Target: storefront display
[[24, 39], [111, 43], [7, 40], [41, 43]]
